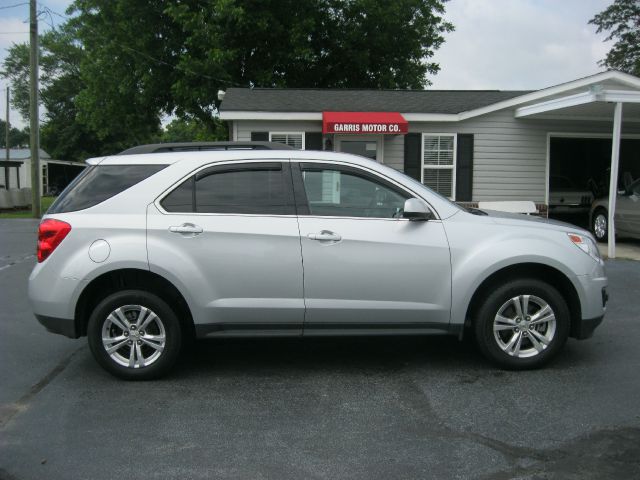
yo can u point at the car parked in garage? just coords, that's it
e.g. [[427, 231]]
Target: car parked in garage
[[566, 197], [627, 215], [143, 251]]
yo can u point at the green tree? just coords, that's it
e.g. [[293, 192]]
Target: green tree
[[154, 57], [116, 67], [63, 133], [17, 138], [622, 20], [183, 130]]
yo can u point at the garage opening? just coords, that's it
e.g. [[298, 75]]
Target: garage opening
[[579, 172]]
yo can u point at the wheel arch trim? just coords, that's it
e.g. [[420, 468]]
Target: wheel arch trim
[[558, 278], [127, 278]]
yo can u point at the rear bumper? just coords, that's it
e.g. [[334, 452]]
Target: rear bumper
[[584, 328], [62, 326]]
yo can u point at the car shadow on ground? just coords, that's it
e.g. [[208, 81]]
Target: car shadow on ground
[[324, 353], [274, 356]]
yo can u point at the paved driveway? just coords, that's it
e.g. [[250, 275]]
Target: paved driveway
[[376, 408]]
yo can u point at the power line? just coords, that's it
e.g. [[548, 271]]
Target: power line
[[14, 6]]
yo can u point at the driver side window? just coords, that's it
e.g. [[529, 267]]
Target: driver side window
[[345, 193]]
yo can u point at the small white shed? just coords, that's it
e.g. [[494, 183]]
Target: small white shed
[[15, 172]]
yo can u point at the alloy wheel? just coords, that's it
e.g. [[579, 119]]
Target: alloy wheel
[[600, 226], [524, 326], [133, 336]]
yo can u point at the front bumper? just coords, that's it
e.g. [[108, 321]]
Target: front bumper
[[584, 328], [62, 326], [593, 302]]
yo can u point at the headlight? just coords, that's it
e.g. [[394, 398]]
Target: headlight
[[586, 244]]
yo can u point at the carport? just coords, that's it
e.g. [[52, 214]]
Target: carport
[[57, 174], [615, 100]]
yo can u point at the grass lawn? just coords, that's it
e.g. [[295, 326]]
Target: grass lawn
[[45, 203]]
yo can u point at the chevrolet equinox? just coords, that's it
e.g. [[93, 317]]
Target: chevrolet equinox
[[144, 251]]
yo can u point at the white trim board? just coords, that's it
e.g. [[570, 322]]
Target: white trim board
[[581, 118], [590, 135], [235, 115], [583, 98]]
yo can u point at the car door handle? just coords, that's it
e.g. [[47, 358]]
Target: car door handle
[[186, 228], [325, 236]]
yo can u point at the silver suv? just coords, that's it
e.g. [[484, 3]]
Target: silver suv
[[142, 252]]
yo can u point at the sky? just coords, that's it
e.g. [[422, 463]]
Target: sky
[[497, 44], [14, 28], [519, 44]]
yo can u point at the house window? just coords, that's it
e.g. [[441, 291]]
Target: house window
[[439, 163], [293, 139]]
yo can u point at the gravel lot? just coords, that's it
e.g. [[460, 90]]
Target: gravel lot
[[376, 408]]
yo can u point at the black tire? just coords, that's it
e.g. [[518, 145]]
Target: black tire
[[500, 297], [166, 326], [599, 215]]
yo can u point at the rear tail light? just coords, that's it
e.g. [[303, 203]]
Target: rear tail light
[[50, 234]]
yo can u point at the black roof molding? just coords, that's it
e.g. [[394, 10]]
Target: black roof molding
[[203, 146], [354, 100]]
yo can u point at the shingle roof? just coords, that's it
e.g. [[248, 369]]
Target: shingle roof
[[347, 100]]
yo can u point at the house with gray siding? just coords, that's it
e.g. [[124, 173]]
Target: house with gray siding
[[469, 145]]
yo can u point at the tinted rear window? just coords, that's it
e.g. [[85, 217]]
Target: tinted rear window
[[99, 183]]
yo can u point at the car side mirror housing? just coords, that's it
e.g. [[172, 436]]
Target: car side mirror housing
[[416, 210]]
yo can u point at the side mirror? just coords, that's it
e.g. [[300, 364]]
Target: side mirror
[[415, 209]]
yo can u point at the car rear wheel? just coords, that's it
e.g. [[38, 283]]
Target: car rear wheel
[[522, 324], [600, 224], [134, 335]]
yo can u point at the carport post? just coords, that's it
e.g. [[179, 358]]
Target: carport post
[[613, 179]]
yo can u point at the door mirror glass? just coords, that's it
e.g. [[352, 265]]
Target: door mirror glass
[[415, 209]]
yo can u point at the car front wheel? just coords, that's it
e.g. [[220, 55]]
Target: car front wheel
[[600, 224], [522, 324], [134, 335]]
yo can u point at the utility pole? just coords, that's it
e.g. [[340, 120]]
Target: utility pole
[[33, 111], [6, 168]]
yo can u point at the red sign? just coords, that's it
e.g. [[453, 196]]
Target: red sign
[[364, 123]]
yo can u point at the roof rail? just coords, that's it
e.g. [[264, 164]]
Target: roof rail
[[203, 146]]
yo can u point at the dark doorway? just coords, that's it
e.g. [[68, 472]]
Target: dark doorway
[[585, 159], [364, 148], [579, 169]]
